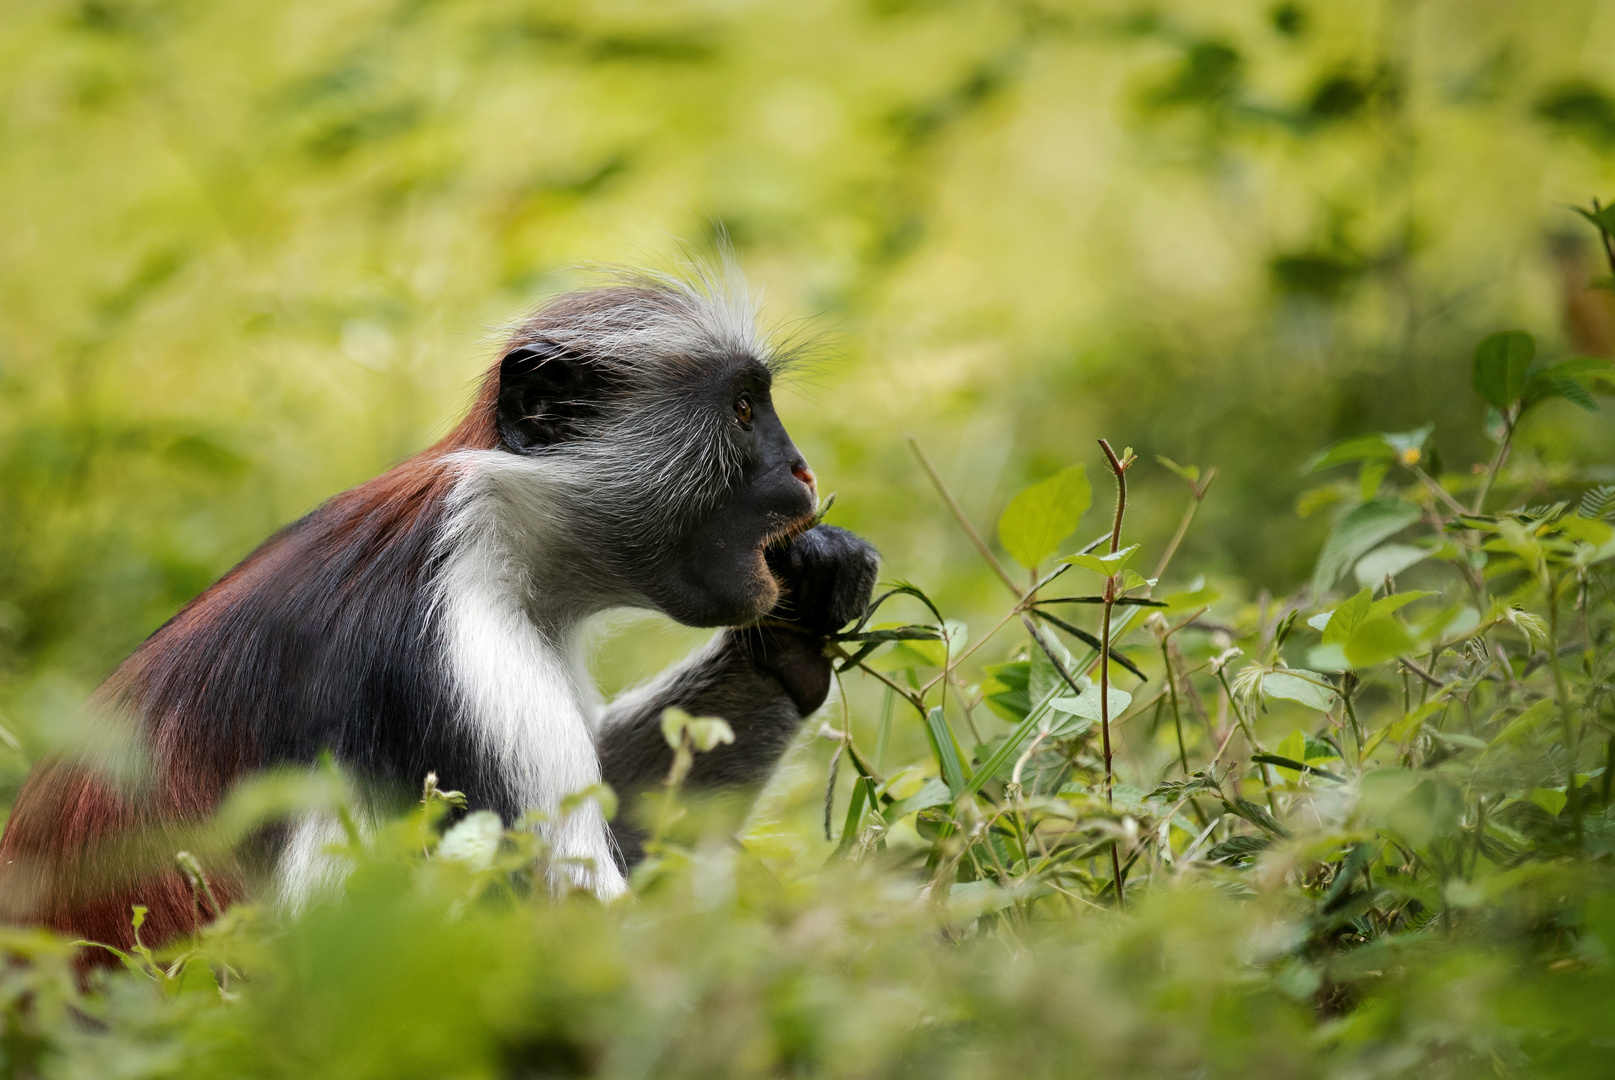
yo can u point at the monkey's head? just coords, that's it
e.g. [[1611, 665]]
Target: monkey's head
[[647, 410]]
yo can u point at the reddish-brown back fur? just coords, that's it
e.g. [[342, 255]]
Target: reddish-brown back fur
[[81, 849]]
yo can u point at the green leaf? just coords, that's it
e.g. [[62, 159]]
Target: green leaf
[[1132, 579], [1396, 602], [1598, 503], [1550, 800], [1357, 448], [1316, 750], [1296, 688], [862, 790], [1293, 745], [1087, 705], [1116, 656], [933, 793], [1198, 595], [1175, 789], [1039, 518], [1369, 479], [1237, 849], [1347, 617], [600, 794], [1190, 473], [1501, 361], [896, 633], [1376, 640], [1387, 560], [1043, 680], [1312, 500], [946, 749], [1357, 533], [1104, 565], [1329, 658], [1005, 689], [1257, 816], [1525, 722], [1066, 725], [1544, 385], [1009, 746], [1604, 218], [1579, 367], [932, 651]]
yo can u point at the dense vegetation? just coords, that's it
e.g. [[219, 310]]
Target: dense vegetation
[[1298, 766]]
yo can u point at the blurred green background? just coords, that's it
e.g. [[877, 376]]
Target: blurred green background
[[252, 254]]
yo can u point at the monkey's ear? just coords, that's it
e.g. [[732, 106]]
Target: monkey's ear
[[546, 395]]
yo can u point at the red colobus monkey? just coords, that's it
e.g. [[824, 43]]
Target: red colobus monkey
[[624, 451]]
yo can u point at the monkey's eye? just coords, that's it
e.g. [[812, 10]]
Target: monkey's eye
[[743, 410]]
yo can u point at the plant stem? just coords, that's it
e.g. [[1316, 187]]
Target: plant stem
[[885, 733], [1496, 465], [1609, 769], [1197, 494], [1177, 715], [1438, 491], [964, 522], [1562, 694], [1104, 698], [1347, 688], [913, 698], [1120, 469], [1608, 240], [1250, 737]]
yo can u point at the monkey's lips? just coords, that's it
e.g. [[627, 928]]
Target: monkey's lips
[[770, 584], [781, 538]]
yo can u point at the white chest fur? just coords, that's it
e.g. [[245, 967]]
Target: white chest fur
[[510, 655], [510, 661]]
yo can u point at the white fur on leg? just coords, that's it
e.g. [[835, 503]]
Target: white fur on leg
[[306, 870]]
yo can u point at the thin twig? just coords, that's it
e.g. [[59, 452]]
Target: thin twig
[[1197, 493], [1438, 491], [1417, 670], [964, 522], [1496, 465], [1119, 468], [902, 691]]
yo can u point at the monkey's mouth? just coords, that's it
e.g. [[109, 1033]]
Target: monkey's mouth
[[781, 538], [770, 555]]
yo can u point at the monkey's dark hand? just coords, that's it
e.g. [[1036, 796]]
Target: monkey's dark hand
[[826, 576]]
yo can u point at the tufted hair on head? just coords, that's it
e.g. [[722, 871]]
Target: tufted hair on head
[[645, 446], [647, 321]]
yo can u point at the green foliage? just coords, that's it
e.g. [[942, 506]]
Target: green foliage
[[247, 249], [1501, 361], [1358, 532], [1039, 518]]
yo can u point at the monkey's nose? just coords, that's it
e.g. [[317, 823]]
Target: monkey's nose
[[801, 471]]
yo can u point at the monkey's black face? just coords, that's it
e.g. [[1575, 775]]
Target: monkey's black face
[[694, 482], [715, 573]]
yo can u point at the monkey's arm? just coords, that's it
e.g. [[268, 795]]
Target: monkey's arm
[[763, 680], [729, 677]]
